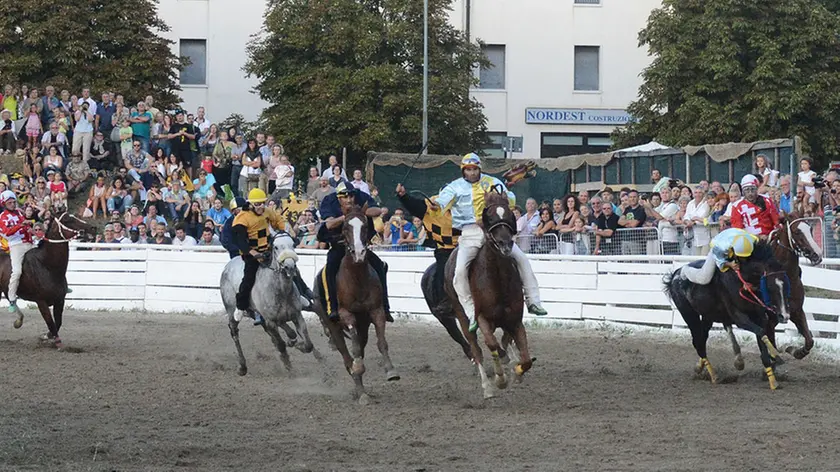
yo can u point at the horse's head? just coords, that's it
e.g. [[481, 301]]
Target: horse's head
[[774, 284], [283, 253], [66, 227], [498, 221], [796, 234], [354, 231]]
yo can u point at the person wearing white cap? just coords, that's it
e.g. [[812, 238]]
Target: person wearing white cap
[[18, 232], [7, 132], [754, 213]]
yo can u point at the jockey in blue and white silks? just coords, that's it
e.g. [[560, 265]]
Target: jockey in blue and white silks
[[725, 247], [465, 196]]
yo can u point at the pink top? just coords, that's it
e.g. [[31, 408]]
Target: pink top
[[33, 122]]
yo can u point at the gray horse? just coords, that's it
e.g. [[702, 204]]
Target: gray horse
[[274, 296]]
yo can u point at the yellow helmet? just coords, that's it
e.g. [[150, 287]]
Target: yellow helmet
[[257, 196], [471, 160], [742, 245]]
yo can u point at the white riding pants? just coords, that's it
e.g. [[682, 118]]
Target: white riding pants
[[471, 240], [702, 275], [16, 253]]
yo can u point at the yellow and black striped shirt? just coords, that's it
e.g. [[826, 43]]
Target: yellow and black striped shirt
[[257, 226]]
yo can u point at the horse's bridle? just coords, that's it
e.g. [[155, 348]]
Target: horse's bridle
[[764, 301], [495, 242], [792, 247], [62, 228]]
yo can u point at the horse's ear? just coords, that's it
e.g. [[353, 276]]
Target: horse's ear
[[365, 208]]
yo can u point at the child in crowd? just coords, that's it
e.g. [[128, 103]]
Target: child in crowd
[[33, 126], [58, 190], [125, 137], [806, 177]]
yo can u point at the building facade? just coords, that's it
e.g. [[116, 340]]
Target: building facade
[[563, 71]]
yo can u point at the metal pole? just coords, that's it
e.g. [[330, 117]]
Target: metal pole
[[425, 76]]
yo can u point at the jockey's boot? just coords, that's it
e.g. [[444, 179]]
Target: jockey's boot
[[473, 326], [536, 309], [13, 308], [258, 319], [239, 314], [68, 290]]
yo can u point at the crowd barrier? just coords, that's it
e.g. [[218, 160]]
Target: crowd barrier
[[625, 288]]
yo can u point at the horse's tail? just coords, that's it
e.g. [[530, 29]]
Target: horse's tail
[[669, 282]]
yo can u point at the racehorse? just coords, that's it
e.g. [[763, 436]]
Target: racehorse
[[44, 276], [792, 239], [274, 296], [496, 288], [359, 303], [441, 308], [731, 298]]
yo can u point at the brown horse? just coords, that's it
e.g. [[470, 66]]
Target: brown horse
[[790, 241], [359, 303], [44, 276], [496, 288]]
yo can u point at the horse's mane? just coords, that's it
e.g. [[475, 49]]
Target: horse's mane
[[494, 198], [762, 259]]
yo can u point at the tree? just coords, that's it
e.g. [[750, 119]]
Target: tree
[[739, 71], [89, 43], [349, 73]]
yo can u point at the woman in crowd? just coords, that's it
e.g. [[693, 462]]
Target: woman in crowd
[[208, 141], [193, 220], [284, 180], [544, 241], [120, 199], [572, 207], [313, 183], [53, 162], [204, 193], [222, 156], [271, 166], [160, 133], [336, 177], [33, 163], [249, 178], [98, 198], [41, 192]]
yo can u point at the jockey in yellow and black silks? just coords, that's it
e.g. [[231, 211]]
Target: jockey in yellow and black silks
[[440, 235], [251, 234]]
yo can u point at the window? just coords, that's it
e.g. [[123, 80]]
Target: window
[[586, 68], [493, 76], [588, 2], [196, 51], [494, 147], [570, 144]]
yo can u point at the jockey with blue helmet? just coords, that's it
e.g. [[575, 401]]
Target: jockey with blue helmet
[[726, 249], [466, 198]]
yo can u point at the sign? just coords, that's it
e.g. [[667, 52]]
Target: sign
[[576, 116], [512, 144]]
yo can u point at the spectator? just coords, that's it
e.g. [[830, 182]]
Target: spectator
[[607, 224], [572, 211], [271, 163], [696, 218], [58, 190], [207, 141], [32, 99], [120, 200], [138, 164], [83, 131], [141, 126], [53, 162], [118, 119], [251, 168], [143, 234], [328, 172], [100, 154], [337, 176], [803, 203], [717, 187], [160, 133], [587, 216], [85, 99], [634, 214], [237, 151], [208, 238], [10, 102], [160, 236], [204, 192], [313, 183], [154, 198], [22, 189], [98, 197], [201, 121], [222, 157], [665, 215], [607, 196], [193, 220], [558, 209], [219, 214], [770, 177], [133, 217], [323, 190], [545, 234], [33, 125], [173, 168], [126, 137], [108, 238], [182, 140], [7, 132], [833, 196], [413, 234], [177, 201], [785, 196], [583, 197], [359, 183], [528, 222], [182, 238], [150, 105], [33, 163], [51, 102], [152, 218], [806, 177], [134, 187], [104, 120]]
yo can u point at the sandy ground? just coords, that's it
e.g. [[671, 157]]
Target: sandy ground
[[160, 392]]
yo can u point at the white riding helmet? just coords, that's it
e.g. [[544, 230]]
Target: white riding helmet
[[742, 245], [6, 196], [749, 180]]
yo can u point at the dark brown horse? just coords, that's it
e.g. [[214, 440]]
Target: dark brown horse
[[496, 288], [359, 304], [44, 276], [790, 241]]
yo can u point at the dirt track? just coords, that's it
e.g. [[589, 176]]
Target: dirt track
[[154, 392]]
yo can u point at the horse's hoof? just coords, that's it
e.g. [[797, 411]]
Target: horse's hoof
[[739, 363], [19, 321], [391, 376], [242, 370], [364, 399], [501, 382], [358, 367], [57, 343], [778, 360], [489, 395]]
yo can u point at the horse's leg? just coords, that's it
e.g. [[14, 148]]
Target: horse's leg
[[357, 351], [48, 319], [736, 348], [509, 356], [234, 333], [290, 333], [520, 336], [769, 354], [378, 317], [451, 325], [58, 314], [798, 317], [300, 326], [279, 344], [493, 345]]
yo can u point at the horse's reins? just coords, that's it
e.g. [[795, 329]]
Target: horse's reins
[[791, 246], [763, 301], [62, 228]]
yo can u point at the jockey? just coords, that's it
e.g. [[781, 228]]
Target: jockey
[[332, 212], [250, 233], [441, 236], [236, 206], [754, 213], [18, 233], [726, 249], [466, 195]]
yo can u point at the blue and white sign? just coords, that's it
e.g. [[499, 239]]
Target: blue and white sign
[[576, 116]]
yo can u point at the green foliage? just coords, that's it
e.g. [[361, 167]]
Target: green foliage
[[247, 128], [89, 43], [739, 71], [349, 73]]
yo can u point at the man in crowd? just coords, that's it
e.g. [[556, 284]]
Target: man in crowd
[[607, 223]]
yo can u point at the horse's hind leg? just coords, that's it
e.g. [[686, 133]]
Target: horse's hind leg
[[451, 325], [736, 348], [58, 314], [234, 333], [493, 345], [381, 343], [307, 346], [520, 336], [274, 333], [290, 333], [48, 319]]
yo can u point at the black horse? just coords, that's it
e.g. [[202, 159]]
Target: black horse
[[745, 298], [439, 303]]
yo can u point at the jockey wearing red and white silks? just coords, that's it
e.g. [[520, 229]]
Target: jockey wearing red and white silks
[[18, 233], [466, 198], [756, 214]]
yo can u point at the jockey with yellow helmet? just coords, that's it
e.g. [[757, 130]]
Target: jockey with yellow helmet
[[466, 197], [726, 249], [251, 235]]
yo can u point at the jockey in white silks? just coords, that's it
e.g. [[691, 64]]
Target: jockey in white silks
[[726, 247], [465, 196]]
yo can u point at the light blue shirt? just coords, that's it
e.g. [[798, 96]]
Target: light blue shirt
[[465, 209], [83, 125]]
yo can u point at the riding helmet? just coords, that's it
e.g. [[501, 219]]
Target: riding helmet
[[6, 196], [749, 180], [257, 195], [742, 245], [471, 160]]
